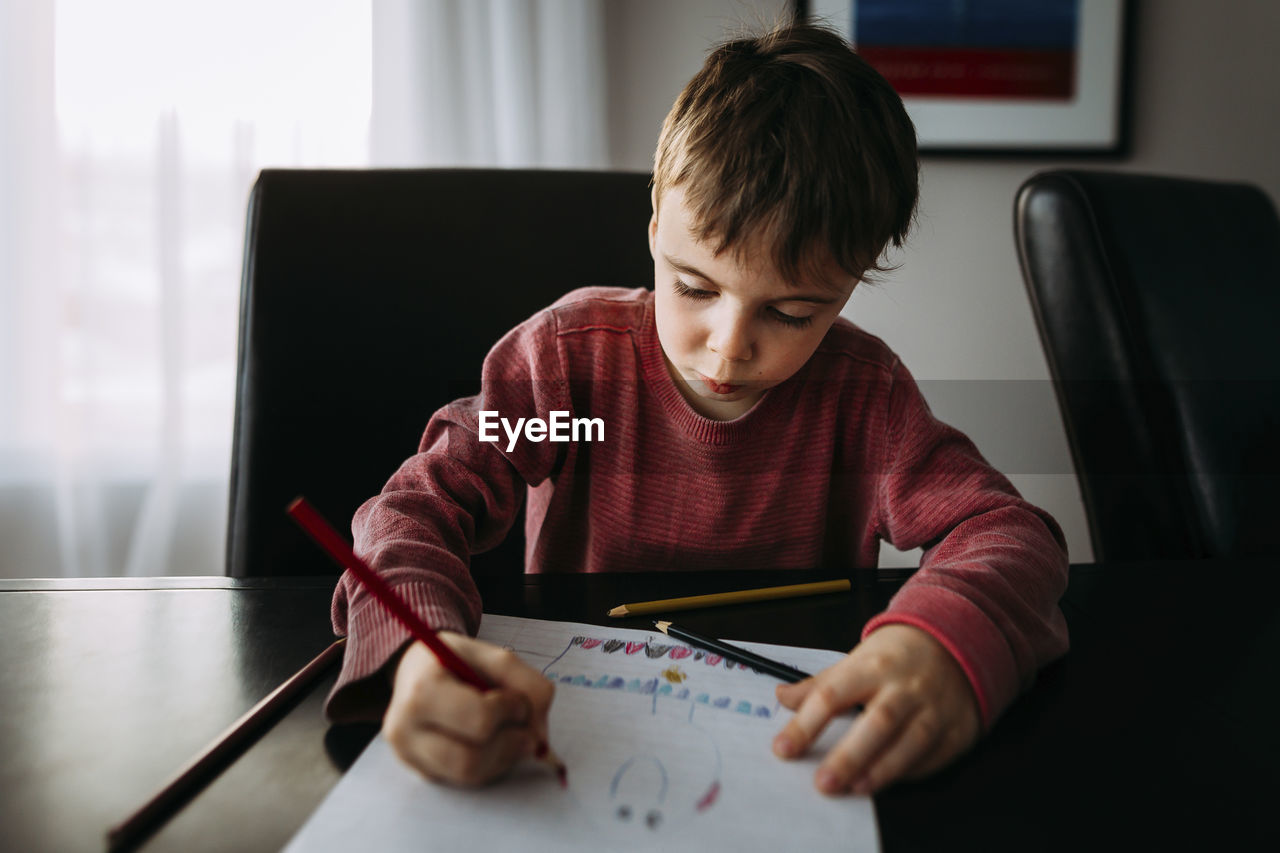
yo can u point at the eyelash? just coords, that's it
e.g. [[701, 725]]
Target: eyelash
[[688, 292]]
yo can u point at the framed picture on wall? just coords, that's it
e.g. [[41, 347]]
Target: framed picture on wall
[[1020, 76]]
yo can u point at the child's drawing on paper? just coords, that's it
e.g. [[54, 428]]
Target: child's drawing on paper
[[667, 751], [651, 778]]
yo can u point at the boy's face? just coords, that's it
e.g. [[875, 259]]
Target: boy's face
[[731, 329]]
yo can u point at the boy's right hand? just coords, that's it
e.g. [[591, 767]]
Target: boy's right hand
[[451, 732]]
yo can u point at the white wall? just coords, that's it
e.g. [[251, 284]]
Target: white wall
[[1205, 102]]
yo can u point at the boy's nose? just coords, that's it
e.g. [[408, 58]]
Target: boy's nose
[[730, 339]]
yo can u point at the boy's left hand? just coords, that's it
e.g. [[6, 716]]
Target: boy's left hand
[[919, 712]]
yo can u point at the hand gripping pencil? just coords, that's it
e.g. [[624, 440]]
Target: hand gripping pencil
[[311, 521]]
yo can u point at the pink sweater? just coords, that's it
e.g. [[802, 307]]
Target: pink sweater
[[840, 456]]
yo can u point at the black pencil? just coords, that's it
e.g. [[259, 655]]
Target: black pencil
[[733, 653]]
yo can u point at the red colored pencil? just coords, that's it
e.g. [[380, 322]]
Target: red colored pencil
[[313, 523]]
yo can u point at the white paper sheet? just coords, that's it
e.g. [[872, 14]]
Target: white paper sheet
[[668, 748]]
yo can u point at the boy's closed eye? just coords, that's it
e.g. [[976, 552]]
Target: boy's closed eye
[[774, 313]]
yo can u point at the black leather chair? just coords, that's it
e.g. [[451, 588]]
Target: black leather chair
[[1157, 301], [370, 299]]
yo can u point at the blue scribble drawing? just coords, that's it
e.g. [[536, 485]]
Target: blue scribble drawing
[[649, 687]]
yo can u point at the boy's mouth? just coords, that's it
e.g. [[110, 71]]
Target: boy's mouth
[[718, 387]]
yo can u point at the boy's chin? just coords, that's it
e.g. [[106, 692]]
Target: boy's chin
[[725, 408]]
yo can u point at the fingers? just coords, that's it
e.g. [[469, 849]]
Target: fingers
[[450, 731], [446, 759], [925, 739], [882, 738], [919, 740], [954, 739], [920, 712], [462, 712], [816, 701], [791, 695], [504, 668]]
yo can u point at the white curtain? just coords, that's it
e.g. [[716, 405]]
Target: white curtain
[[130, 134], [517, 83]]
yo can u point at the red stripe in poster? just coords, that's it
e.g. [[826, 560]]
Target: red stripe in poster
[[975, 72]]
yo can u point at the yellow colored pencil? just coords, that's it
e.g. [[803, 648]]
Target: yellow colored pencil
[[741, 596]]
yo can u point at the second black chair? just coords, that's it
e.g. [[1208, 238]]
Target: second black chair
[[1157, 299]]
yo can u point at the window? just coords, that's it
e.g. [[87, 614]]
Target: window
[[131, 133]]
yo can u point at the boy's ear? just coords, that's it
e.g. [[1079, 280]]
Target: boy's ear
[[653, 220]]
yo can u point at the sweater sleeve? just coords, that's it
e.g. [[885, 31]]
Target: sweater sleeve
[[458, 495], [994, 566]]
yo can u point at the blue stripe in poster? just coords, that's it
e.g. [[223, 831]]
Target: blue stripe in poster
[[967, 23]]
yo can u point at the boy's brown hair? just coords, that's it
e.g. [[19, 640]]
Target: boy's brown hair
[[792, 138]]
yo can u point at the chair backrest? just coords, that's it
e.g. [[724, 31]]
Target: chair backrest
[[1157, 300], [369, 300]]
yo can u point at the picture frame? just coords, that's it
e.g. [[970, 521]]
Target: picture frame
[[985, 76]]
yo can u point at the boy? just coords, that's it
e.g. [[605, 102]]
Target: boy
[[746, 426]]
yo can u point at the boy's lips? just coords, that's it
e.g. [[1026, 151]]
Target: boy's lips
[[718, 387]]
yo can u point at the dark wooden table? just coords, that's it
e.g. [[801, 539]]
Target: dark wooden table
[[1160, 730]]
